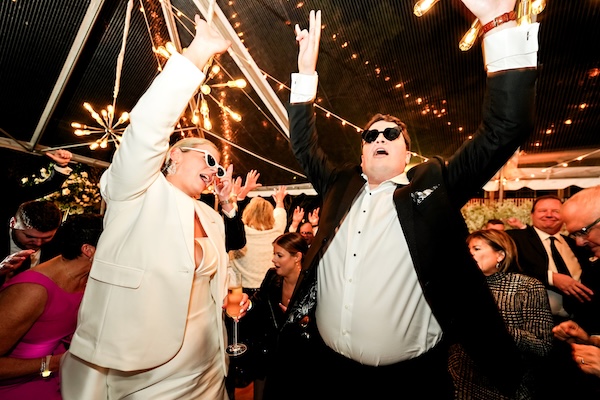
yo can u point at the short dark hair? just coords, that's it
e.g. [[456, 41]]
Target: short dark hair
[[77, 230], [41, 215], [495, 221], [395, 120], [544, 197]]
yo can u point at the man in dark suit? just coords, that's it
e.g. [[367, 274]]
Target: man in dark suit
[[566, 291], [31, 229], [388, 279], [20, 193], [569, 295]]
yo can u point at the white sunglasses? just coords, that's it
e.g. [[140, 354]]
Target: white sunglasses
[[209, 159]]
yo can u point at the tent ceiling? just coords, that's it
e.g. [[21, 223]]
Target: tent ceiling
[[376, 56]]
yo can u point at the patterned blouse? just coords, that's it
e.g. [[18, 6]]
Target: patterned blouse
[[523, 303]]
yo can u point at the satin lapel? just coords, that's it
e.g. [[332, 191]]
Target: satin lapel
[[404, 208], [185, 209]]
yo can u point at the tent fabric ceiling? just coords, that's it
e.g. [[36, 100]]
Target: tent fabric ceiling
[[376, 56]]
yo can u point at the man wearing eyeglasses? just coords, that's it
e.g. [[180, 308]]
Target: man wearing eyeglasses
[[389, 276], [581, 215]]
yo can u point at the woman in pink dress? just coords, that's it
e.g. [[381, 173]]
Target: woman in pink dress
[[38, 313]]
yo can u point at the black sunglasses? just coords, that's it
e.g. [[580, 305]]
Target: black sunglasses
[[389, 133], [585, 231], [209, 159]]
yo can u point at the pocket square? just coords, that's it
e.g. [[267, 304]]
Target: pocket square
[[419, 196]]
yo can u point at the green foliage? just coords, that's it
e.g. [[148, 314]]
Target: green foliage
[[79, 194], [476, 214]]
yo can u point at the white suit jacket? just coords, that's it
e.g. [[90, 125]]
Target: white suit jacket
[[135, 305]]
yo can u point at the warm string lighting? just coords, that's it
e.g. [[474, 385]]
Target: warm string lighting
[[111, 130], [526, 9], [201, 111], [565, 164]]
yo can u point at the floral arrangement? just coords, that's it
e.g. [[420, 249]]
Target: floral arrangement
[[79, 194], [477, 213]]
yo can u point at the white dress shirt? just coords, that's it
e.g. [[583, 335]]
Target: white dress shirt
[[556, 299], [370, 305]]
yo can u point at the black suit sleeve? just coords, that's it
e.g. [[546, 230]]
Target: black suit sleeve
[[235, 235]]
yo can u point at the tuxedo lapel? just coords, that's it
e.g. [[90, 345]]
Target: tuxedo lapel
[[404, 208]]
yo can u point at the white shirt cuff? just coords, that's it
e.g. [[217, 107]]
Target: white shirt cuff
[[230, 214], [63, 170], [511, 48], [304, 87]]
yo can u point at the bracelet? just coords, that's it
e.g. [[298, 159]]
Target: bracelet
[[45, 367], [227, 201], [509, 16]]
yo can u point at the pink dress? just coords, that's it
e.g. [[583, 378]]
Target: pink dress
[[50, 334]]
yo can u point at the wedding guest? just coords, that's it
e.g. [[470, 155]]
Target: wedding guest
[[581, 214], [270, 304], [262, 224], [562, 273], [38, 313], [379, 298], [524, 306], [30, 230], [151, 320], [298, 220], [20, 193]]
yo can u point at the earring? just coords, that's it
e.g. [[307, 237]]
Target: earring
[[498, 265], [172, 168]]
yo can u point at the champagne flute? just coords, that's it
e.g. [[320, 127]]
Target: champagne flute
[[234, 298]]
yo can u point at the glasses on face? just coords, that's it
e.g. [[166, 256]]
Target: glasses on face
[[209, 159], [389, 133], [585, 231]]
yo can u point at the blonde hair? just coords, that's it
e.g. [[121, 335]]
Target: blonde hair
[[187, 142], [258, 214]]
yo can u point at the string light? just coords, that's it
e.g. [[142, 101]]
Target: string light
[[526, 9], [111, 130], [109, 127]]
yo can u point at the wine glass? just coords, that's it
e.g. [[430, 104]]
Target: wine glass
[[234, 298]]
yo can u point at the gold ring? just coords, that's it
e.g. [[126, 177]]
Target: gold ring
[[582, 360]]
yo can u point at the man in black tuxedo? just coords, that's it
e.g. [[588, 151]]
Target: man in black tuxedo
[[566, 291], [388, 279]]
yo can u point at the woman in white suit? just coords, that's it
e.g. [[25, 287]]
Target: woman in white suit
[[151, 321]]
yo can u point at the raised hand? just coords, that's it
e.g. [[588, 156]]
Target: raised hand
[[279, 195], [487, 10], [60, 157], [224, 185], [309, 44], [206, 44], [250, 184], [14, 261], [298, 215], [313, 217]]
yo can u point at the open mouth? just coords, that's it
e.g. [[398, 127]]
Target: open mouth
[[381, 152], [206, 178]]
